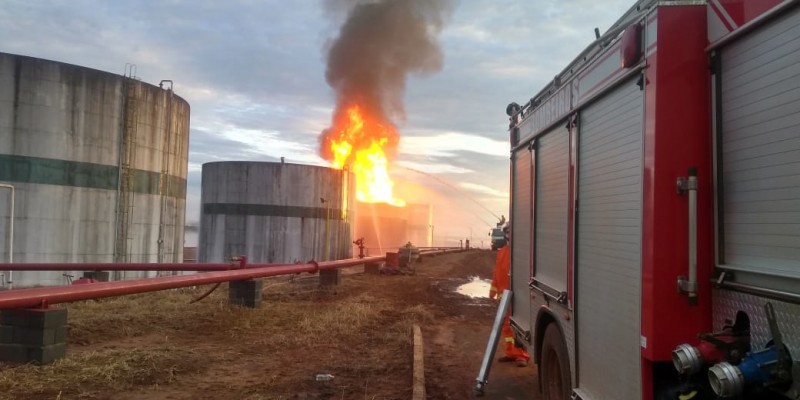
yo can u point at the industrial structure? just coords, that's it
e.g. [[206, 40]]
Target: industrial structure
[[655, 203], [386, 227], [275, 212], [95, 164]]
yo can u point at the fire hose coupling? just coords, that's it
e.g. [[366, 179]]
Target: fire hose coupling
[[729, 345], [771, 367], [316, 267], [687, 359], [758, 368]]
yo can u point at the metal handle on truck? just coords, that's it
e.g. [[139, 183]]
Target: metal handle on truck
[[688, 284]]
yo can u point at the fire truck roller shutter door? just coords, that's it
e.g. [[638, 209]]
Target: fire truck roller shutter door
[[760, 157], [608, 265], [552, 207], [521, 238], [759, 172]]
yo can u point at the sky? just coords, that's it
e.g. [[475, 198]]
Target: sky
[[254, 75]]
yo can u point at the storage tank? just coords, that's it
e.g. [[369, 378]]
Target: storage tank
[[385, 227], [98, 163], [420, 224], [275, 212]]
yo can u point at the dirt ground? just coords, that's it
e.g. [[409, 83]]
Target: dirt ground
[[159, 346]]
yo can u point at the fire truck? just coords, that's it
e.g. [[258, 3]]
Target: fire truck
[[655, 200]]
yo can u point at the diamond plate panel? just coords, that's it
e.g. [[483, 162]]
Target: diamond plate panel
[[727, 302]]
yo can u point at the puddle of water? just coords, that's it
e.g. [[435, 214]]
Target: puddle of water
[[476, 288]]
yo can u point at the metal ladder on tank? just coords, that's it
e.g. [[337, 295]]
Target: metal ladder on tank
[[125, 208], [165, 184]]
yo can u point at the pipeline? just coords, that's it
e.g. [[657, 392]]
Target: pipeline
[[130, 266], [45, 296]]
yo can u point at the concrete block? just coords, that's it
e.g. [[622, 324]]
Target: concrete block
[[61, 335], [245, 293], [13, 353], [34, 336], [35, 318], [329, 277], [47, 354], [13, 318], [6, 334]]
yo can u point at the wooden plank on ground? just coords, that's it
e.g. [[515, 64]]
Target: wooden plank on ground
[[419, 366]]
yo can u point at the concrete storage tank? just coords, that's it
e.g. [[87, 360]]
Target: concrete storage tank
[[383, 226], [274, 212], [98, 163], [420, 224]]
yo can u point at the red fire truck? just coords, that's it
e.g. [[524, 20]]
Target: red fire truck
[[655, 199]]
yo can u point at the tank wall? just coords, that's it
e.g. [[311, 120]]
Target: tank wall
[[385, 227], [420, 220], [272, 212], [62, 131]]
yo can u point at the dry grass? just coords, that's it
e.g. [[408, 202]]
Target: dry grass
[[266, 353], [97, 371]]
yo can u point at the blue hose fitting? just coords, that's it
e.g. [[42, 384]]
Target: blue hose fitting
[[756, 368]]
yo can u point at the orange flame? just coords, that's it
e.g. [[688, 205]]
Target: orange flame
[[359, 142]]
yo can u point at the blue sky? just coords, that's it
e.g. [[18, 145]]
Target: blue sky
[[254, 75]]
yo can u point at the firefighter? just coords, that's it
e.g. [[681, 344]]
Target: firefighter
[[500, 282]]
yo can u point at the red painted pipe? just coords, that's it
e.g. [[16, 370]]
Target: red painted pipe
[[126, 266], [323, 265], [44, 296]]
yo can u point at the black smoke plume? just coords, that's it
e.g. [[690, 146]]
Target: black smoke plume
[[380, 43]]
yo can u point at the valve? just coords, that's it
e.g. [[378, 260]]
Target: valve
[[770, 367], [360, 243], [730, 344]]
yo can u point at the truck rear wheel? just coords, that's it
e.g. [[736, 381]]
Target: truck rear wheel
[[556, 378]]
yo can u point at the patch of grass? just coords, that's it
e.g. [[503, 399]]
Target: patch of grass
[[360, 331], [107, 370], [137, 315]]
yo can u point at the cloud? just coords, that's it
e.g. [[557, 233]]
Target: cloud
[[445, 144], [433, 168], [254, 75]]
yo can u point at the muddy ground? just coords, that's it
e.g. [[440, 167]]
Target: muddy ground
[[159, 346]]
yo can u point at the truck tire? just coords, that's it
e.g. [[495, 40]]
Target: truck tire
[[556, 378]]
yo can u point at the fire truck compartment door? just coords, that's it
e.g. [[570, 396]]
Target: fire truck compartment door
[[760, 155], [521, 237], [552, 207], [608, 269]]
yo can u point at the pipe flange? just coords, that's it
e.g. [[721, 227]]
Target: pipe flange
[[686, 359], [726, 380]]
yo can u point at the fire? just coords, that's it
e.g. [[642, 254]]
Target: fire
[[359, 142]]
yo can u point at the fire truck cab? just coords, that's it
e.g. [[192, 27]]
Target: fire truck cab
[[655, 200]]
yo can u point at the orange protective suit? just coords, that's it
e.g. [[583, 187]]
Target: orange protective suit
[[500, 282]]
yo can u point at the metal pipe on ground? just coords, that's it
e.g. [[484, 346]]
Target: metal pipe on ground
[[130, 266], [44, 296]]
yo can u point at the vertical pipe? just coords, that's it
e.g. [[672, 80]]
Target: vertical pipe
[[327, 230], [10, 233]]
